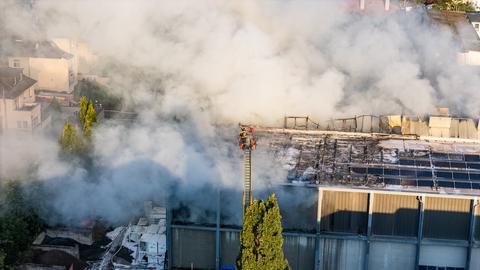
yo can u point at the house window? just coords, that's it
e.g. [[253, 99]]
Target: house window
[[19, 124], [25, 124], [16, 63], [477, 26]]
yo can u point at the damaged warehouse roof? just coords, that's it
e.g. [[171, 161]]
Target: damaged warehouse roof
[[377, 160]]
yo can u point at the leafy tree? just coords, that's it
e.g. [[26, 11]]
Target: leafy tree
[[453, 5], [19, 224], [2, 259], [55, 106], [69, 141], [83, 110], [261, 237], [98, 92], [90, 119]]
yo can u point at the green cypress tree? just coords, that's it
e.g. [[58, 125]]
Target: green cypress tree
[[270, 238], [69, 141], [90, 119], [83, 110], [261, 237]]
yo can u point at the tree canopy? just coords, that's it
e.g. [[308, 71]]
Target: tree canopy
[[69, 140], [19, 224], [261, 238], [453, 5], [97, 92], [83, 110], [90, 119]]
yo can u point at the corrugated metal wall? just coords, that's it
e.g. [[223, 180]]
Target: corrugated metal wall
[[475, 262], [443, 256], [463, 128], [391, 256], [298, 206], [344, 212], [415, 126], [477, 222], [193, 248], [342, 254], [395, 215], [300, 252], [230, 247], [446, 218]]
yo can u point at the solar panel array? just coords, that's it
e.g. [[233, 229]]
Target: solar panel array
[[425, 170], [363, 160]]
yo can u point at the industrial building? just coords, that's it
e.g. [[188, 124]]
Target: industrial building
[[375, 197]]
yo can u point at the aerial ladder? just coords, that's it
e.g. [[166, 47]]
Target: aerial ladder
[[247, 143]]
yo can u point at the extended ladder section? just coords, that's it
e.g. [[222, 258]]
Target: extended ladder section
[[247, 181], [247, 143]]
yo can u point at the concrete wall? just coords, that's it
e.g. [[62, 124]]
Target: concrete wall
[[391, 256], [339, 254]]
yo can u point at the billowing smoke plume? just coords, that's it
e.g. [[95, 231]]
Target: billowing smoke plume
[[207, 65]]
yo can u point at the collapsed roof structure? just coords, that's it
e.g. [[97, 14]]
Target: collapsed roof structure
[[388, 152]]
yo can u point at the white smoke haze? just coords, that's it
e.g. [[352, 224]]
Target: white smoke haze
[[194, 69], [21, 155]]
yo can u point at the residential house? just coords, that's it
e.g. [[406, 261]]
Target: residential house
[[474, 19], [18, 110], [54, 69], [459, 24]]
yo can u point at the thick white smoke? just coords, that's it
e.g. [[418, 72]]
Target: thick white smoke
[[215, 63]]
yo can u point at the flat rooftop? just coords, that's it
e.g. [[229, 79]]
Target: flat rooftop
[[376, 160]]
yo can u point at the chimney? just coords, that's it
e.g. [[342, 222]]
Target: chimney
[[362, 4], [387, 5]]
